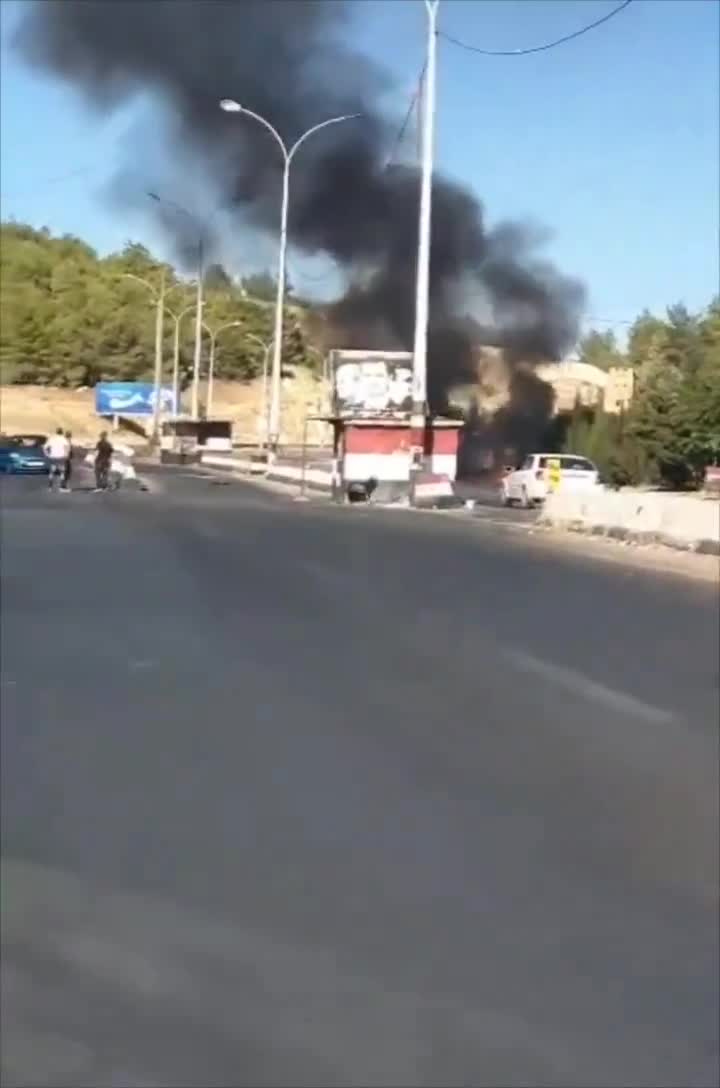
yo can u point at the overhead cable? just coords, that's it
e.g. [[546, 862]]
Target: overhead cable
[[536, 48]]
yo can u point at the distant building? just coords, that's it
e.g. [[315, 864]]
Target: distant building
[[485, 440], [574, 383], [619, 389]]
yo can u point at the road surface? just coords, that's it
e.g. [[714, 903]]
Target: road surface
[[295, 795]]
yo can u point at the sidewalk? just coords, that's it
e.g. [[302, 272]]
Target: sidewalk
[[316, 474]]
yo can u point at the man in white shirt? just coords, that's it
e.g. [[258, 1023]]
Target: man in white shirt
[[57, 451]]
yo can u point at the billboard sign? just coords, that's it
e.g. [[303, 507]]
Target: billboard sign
[[371, 384], [131, 399]]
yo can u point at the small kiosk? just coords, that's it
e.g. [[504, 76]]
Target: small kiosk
[[374, 440], [184, 440]]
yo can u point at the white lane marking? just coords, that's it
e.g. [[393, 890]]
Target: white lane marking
[[579, 684]]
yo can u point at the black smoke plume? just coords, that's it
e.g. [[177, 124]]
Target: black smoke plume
[[286, 59]]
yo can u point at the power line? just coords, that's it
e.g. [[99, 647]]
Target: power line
[[406, 120], [536, 48], [49, 182], [608, 320]]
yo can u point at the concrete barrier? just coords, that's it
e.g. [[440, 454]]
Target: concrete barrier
[[680, 521]]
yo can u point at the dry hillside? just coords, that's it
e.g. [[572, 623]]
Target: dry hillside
[[32, 409]]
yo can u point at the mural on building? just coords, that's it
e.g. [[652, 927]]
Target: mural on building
[[371, 383]]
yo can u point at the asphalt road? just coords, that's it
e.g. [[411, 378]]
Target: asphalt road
[[296, 795]]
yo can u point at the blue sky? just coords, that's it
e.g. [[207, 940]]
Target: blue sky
[[610, 142]]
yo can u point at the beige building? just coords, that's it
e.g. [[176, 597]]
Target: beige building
[[619, 389], [574, 382]]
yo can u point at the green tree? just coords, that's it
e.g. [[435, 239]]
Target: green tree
[[645, 340], [217, 279], [675, 417], [600, 349], [263, 286]]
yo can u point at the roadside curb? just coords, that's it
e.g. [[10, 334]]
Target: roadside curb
[[313, 481], [622, 535], [311, 478], [282, 478]]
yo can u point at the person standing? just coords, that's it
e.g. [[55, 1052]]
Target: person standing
[[65, 485], [103, 459], [57, 451]]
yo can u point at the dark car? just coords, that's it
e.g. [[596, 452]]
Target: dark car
[[16, 460]]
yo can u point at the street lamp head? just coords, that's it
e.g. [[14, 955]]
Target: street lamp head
[[229, 105]]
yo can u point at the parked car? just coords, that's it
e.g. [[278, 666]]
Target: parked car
[[22, 460], [27, 441], [529, 484]]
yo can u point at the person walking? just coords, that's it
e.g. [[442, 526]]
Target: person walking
[[57, 451], [103, 459], [65, 485]]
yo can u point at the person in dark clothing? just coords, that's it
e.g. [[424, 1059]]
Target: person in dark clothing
[[65, 485], [103, 459]]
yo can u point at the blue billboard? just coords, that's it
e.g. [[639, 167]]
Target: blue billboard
[[131, 399]]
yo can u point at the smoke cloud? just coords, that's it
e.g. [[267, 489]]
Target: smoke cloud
[[288, 60]]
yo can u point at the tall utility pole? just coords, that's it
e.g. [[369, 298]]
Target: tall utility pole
[[229, 105], [422, 293]]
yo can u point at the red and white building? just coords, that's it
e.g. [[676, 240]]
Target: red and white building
[[374, 438]]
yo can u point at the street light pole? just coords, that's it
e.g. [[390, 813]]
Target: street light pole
[[422, 294], [158, 296], [211, 363], [229, 105], [159, 324], [177, 318], [210, 377], [195, 394], [276, 379], [179, 210], [266, 355]]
